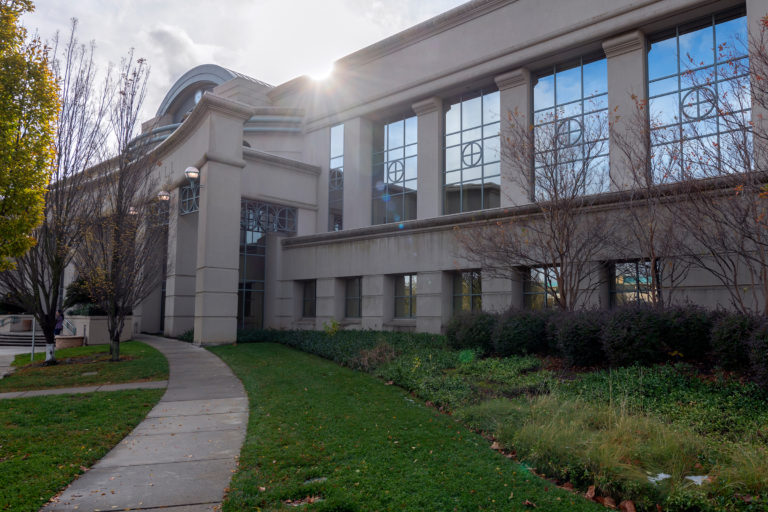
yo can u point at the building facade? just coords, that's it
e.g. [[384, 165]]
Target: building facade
[[338, 199]]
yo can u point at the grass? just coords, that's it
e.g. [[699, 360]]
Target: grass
[[45, 442], [608, 428], [85, 366], [318, 430]]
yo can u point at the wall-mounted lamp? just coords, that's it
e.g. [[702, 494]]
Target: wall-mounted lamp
[[132, 210], [189, 199], [192, 173], [164, 195]]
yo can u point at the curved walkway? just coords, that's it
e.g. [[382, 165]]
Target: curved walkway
[[181, 457]]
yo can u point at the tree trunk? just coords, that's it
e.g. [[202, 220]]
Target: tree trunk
[[114, 348], [50, 346]]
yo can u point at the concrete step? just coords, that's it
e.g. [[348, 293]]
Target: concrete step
[[20, 339]]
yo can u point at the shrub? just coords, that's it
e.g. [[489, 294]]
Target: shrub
[[635, 334], [471, 330], [688, 332], [758, 355], [578, 337], [369, 359], [188, 336], [522, 332], [730, 340]]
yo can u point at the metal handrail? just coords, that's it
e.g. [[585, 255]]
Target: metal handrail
[[12, 319], [70, 327]]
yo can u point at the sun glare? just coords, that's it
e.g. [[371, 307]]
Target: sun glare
[[322, 74]]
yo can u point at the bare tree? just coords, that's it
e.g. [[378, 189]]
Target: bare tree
[[650, 230], [562, 166], [37, 281], [723, 207], [118, 260]]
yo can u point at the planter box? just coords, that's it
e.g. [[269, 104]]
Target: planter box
[[94, 329], [69, 341]]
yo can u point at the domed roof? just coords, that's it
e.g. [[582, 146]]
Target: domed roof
[[206, 74]]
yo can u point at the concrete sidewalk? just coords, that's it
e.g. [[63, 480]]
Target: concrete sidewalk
[[155, 384], [7, 355], [181, 457]]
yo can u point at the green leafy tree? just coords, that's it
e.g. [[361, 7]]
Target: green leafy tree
[[28, 109]]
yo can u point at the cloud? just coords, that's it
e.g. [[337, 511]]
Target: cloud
[[271, 40]]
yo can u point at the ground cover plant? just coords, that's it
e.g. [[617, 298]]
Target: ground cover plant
[[335, 439], [634, 433], [45, 442], [84, 366]]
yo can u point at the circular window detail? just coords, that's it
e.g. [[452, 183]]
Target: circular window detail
[[472, 154], [337, 179], [569, 132], [698, 103], [395, 171]]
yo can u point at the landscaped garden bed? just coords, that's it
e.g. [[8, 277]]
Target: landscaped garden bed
[[86, 366], [664, 422]]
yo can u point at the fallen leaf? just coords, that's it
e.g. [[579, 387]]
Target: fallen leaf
[[529, 504], [590, 493]]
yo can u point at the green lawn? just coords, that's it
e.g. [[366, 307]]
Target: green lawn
[[318, 430], [46, 441], [84, 366]]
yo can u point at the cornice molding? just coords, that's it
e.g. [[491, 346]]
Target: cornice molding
[[516, 78], [625, 43], [279, 161], [424, 30], [427, 106]]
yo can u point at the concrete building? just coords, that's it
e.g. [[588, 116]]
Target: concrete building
[[337, 199]]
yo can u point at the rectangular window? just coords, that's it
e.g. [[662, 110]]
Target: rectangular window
[[257, 219], [405, 296], [699, 98], [395, 171], [570, 121], [309, 299], [631, 282], [353, 297], [472, 177], [336, 180], [541, 289], [467, 291]]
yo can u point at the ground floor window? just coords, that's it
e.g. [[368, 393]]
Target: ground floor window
[[631, 282], [353, 297], [467, 291], [541, 289], [256, 220], [309, 299], [405, 296]]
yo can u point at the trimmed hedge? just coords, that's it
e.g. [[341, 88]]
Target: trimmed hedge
[[579, 337], [522, 332], [471, 331], [632, 334]]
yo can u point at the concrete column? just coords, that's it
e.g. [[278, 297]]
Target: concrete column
[[627, 86], [326, 301], [377, 306], [433, 301], [317, 151], [358, 173], [273, 286], [516, 108], [430, 159], [517, 282], [756, 9], [218, 230], [497, 293], [180, 272]]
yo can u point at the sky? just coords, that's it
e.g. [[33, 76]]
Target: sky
[[271, 40]]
